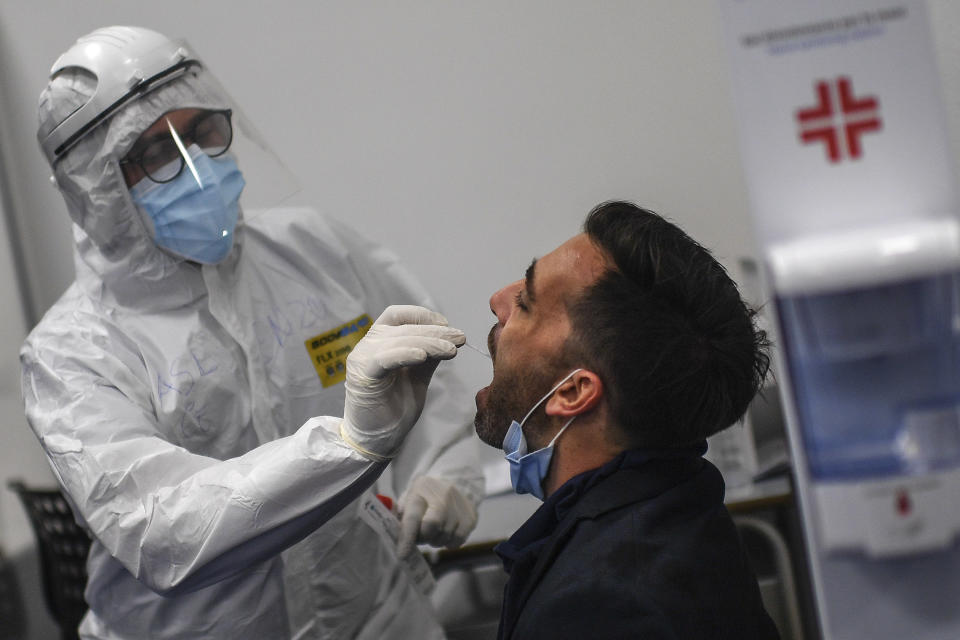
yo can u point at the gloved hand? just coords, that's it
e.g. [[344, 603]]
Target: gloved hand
[[387, 377], [435, 512]]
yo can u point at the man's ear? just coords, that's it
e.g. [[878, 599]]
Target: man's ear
[[581, 393]]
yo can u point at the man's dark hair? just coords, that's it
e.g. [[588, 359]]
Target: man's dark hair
[[665, 328]]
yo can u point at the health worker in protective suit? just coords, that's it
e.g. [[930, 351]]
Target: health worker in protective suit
[[187, 387]]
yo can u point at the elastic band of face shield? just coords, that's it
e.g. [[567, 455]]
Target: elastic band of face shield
[[54, 149]]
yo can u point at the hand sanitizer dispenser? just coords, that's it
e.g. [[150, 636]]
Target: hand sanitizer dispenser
[[869, 324]]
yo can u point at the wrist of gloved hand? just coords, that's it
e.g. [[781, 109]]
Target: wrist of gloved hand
[[433, 511], [350, 440]]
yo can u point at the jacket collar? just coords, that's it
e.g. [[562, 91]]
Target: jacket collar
[[633, 476]]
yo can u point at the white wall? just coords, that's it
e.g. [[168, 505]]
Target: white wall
[[19, 454]]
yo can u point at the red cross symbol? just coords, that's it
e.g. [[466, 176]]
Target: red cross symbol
[[839, 128], [903, 503]]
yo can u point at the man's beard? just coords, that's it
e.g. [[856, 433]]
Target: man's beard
[[510, 396]]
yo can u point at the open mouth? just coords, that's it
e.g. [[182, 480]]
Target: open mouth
[[481, 397], [492, 342]]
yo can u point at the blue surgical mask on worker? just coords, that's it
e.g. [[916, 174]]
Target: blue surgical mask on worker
[[195, 214], [528, 469]]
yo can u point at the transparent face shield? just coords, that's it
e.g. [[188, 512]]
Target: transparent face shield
[[197, 170], [142, 137], [175, 146], [155, 107]]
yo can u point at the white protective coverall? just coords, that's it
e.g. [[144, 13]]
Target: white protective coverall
[[176, 404]]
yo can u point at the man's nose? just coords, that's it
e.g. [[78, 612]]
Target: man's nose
[[501, 303]]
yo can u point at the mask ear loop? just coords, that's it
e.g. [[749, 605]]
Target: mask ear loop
[[559, 433], [549, 393]]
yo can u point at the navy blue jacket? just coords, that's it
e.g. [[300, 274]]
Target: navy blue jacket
[[640, 548]]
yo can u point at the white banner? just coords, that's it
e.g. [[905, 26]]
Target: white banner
[[840, 114]]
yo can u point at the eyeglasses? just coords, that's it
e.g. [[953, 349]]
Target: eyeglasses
[[160, 157]]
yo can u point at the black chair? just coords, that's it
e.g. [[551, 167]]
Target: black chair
[[63, 548], [13, 621]]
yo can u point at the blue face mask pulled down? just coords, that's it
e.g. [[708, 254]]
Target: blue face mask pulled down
[[527, 470], [195, 220]]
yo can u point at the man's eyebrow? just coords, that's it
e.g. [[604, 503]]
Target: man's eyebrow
[[531, 295]]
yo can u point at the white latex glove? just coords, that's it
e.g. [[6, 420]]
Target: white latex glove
[[433, 511], [387, 377]]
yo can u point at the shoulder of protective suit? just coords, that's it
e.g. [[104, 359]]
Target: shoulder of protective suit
[[74, 317], [308, 230], [285, 222]]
